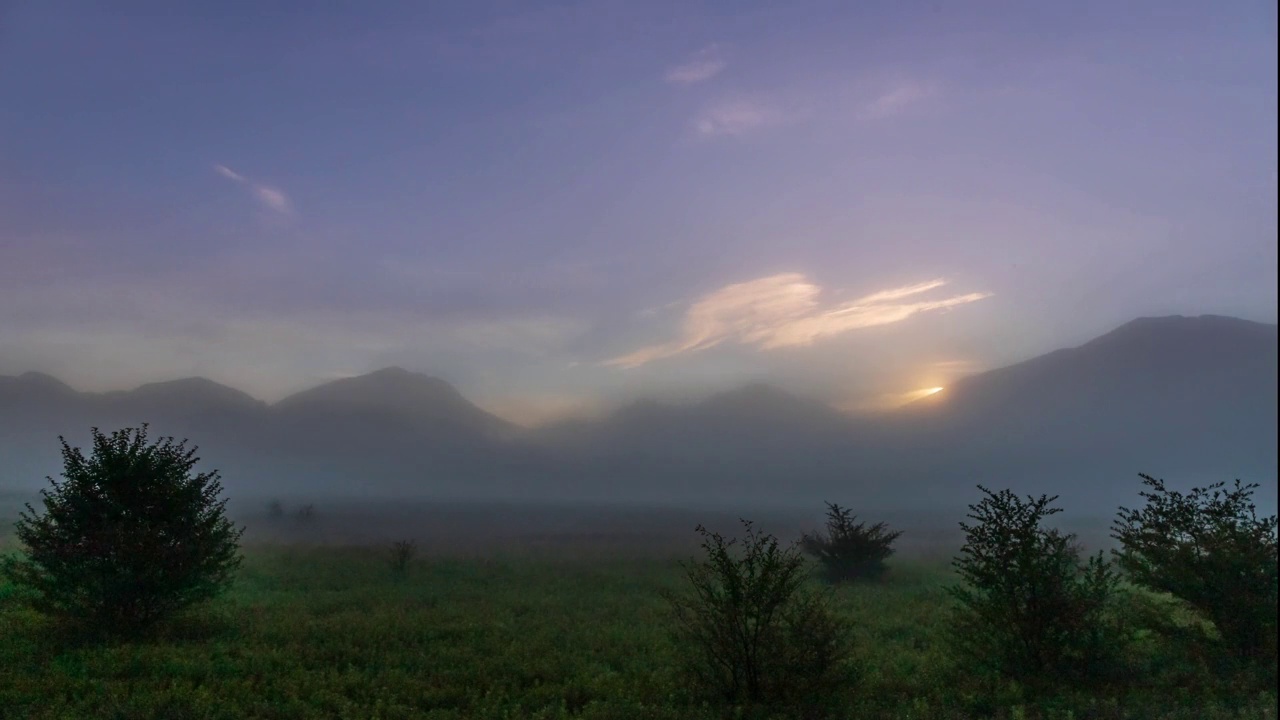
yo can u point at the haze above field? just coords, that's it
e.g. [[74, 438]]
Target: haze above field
[[1191, 399], [559, 207]]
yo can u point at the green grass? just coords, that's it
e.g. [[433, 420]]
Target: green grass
[[330, 633]]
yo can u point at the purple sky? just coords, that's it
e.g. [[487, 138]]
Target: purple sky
[[558, 205]]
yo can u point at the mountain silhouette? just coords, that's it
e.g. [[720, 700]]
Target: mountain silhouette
[[1187, 398], [394, 400], [1190, 396]]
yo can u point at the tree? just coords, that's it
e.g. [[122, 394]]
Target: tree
[[129, 535], [402, 552], [850, 550], [1211, 550], [1028, 608], [752, 637]]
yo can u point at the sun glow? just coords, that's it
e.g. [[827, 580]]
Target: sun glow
[[890, 401], [920, 394]]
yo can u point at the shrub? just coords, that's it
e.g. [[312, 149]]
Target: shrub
[[1210, 550], [402, 553], [307, 513], [752, 636], [850, 550], [1027, 608], [129, 536], [275, 510]]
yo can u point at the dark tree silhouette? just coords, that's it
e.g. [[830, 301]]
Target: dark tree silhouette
[[1027, 608], [129, 535], [752, 636], [1211, 550], [850, 550]]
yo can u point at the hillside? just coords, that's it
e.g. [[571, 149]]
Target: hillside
[[1188, 398]]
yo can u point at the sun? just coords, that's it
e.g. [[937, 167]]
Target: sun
[[914, 395]]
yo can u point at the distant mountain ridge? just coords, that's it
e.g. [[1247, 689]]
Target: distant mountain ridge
[[1195, 397]]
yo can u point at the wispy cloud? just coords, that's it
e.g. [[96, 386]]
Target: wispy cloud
[[747, 114], [784, 311], [898, 99], [702, 66], [272, 198], [230, 174], [735, 118], [957, 366]]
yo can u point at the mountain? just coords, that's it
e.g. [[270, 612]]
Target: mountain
[[754, 441], [386, 430], [1182, 396], [1155, 362], [1191, 399], [394, 430], [1188, 398], [32, 386], [392, 400]]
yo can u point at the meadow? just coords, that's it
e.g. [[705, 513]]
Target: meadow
[[518, 620]]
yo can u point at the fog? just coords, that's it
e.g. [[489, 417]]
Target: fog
[[1190, 400]]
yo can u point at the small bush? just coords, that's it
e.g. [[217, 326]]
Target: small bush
[[402, 553], [1027, 608], [307, 513], [1210, 550], [275, 510], [128, 537], [850, 550], [752, 637]]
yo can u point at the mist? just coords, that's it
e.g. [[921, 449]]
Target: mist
[[1188, 399]]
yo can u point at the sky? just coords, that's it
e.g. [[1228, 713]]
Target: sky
[[556, 206]]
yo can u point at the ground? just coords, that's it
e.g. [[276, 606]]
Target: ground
[[534, 625]]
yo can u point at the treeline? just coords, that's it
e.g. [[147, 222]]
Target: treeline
[[1031, 618], [130, 535]]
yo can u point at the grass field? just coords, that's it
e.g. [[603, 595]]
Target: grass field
[[565, 628]]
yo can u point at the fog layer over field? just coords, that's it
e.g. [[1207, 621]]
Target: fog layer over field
[[1192, 400]]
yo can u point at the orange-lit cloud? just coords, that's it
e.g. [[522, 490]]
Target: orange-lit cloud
[[784, 311]]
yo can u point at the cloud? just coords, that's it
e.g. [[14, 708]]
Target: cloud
[[898, 99], [956, 365], [230, 174], [784, 311], [702, 66], [272, 198], [736, 118]]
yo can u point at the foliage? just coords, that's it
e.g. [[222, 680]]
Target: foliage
[[326, 632], [1209, 549], [306, 513], [275, 510], [1027, 608], [402, 552], [850, 550], [129, 535], [751, 635]]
